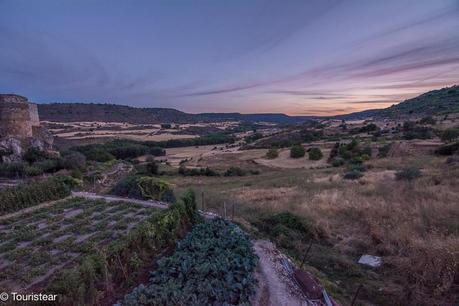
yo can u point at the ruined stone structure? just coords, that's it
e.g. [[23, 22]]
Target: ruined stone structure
[[20, 127], [17, 117]]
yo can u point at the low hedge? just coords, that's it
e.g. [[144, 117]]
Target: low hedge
[[26, 195], [213, 265]]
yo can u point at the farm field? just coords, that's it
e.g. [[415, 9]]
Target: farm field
[[37, 244]]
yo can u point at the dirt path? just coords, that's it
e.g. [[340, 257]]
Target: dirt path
[[276, 288], [110, 198], [281, 283]]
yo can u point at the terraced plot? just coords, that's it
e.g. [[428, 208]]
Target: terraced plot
[[34, 245]]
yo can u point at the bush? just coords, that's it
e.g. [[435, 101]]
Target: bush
[[197, 171], [124, 151], [47, 165], [359, 168], [213, 265], [152, 168], [337, 161], [297, 151], [16, 198], [272, 153], [155, 189], [13, 170], [448, 149], [157, 151], [96, 153], [428, 120], [235, 171], [144, 187], [409, 173], [384, 150], [353, 175], [73, 161], [33, 155], [315, 154], [128, 187], [449, 135]]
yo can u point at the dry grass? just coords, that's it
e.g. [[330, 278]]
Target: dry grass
[[414, 226]]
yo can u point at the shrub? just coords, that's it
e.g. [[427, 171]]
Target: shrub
[[16, 198], [183, 170], [337, 161], [448, 149], [272, 153], [297, 151], [124, 151], [155, 189], [409, 173], [33, 155], [73, 161], [144, 187], [213, 265], [235, 171], [384, 150], [359, 168], [152, 168], [96, 153], [428, 120], [157, 151], [315, 154], [128, 187], [449, 135], [47, 165], [368, 128], [13, 170], [353, 175]]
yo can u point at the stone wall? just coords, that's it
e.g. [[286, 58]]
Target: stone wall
[[33, 112], [15, 120], [17, 116]]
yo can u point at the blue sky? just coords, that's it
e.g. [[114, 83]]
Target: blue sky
[[297, 57]]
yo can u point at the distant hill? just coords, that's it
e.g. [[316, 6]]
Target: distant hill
[[68, 112], [435, 102]]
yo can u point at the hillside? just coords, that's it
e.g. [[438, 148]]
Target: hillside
[[435, 102], [74, 112]]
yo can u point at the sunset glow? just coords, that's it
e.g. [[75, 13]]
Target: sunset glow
[[295, 57]]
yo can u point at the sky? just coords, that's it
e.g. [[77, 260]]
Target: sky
[[314, 57]]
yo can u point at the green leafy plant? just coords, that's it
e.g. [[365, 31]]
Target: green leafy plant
[[213, 265]]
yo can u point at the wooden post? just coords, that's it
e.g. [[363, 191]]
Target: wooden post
[[232, 214], [224, 210], [356, 294], [306, 255], [202, 201]]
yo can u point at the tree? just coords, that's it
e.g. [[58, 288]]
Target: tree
[[315, 154], [152, 168], [297, 151]]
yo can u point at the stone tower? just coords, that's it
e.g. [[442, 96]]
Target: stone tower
[[18, 117], [20, 128]]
